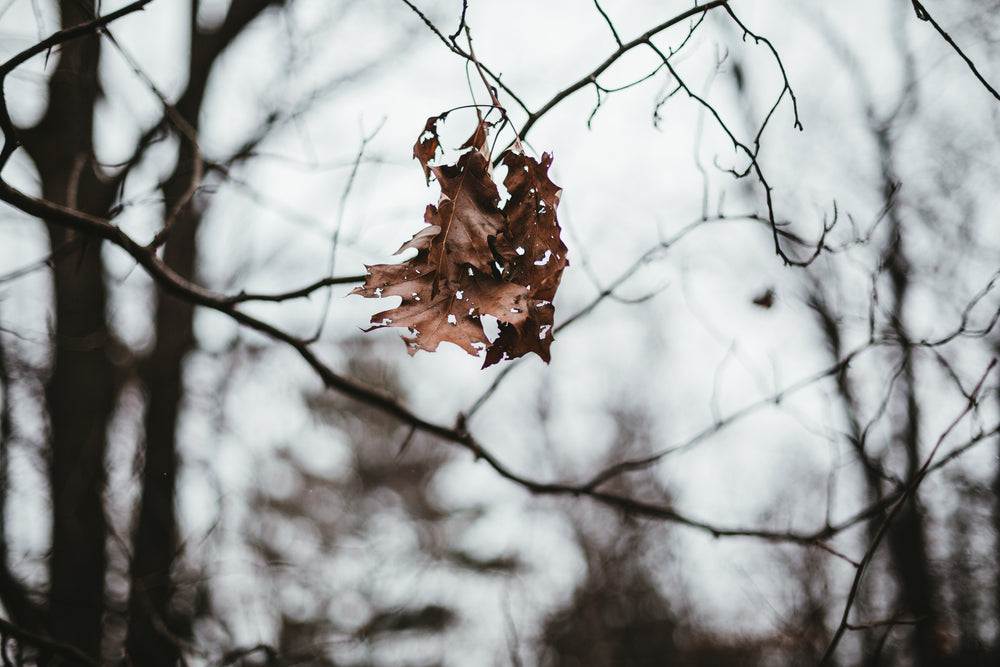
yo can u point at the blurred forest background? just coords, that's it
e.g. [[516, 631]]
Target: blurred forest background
[[770, 430]]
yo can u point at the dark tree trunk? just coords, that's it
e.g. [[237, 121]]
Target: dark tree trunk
[[80, 398], [907, 536], [80, 393], [153, 629], [996, 532]]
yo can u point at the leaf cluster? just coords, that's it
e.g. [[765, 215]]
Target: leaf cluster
[[477, 256]]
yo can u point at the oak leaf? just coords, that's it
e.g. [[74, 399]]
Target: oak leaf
[[477, 258]]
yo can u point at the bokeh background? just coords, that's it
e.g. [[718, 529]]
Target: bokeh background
[[782, 299]]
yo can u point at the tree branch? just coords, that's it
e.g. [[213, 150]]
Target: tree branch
[[924, 15], [641, 40]]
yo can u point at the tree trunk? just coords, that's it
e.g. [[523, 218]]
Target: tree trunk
[[907, 536], [80, 393], [153, 627], [153, 630]]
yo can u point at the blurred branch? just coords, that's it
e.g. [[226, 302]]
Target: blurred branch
[[11, 141], [47, 261], [186, 131], [888, 622], [857, 435], [207, 45], [240, 655]]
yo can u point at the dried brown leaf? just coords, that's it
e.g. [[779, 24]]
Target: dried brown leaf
[[475, 258]]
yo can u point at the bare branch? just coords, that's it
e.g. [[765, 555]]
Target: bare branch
[[924, 15], [607, 19], [641, 40], [302, 292]]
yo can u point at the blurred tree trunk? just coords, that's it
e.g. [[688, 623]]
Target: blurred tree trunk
[[153, 627], [82, 389], [907, 536], [996, 532], [80, 393], [873, 473]]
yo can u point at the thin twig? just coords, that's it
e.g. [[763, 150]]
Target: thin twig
[[186, 131], [590, 78], [924, 15], [607, 19], [300, 293], [335, 240]]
